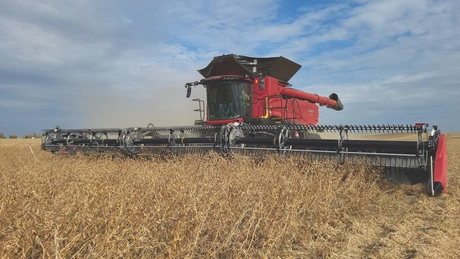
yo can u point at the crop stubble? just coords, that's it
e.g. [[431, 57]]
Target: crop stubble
[[184, 207]]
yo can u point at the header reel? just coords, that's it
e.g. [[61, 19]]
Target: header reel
[[423, 160]]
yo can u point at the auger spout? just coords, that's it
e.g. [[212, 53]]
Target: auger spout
[[338, 104], [332, 102]]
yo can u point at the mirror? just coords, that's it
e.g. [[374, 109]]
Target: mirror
[[189, 92], [262, 84]]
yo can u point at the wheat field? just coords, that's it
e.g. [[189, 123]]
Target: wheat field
[[81, 206]]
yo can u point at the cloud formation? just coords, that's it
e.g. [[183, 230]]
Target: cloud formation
[[104, 64]]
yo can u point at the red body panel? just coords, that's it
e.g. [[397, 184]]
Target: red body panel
[[278, 101], [294, 110], [440, 163], [273, 99]]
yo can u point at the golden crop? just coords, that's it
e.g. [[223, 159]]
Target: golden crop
[[214, 207]]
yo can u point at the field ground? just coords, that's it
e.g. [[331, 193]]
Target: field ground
[[210, 207]]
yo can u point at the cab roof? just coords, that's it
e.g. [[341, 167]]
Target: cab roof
[[278, 67]]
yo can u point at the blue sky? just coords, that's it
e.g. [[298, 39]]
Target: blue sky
[[124, 63]]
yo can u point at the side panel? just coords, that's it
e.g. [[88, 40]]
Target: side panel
[[260, 97], [308, 111], [268, 103], [294, 110], [440, 163]]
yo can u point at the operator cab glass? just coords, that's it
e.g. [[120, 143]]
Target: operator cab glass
[[228, 100]]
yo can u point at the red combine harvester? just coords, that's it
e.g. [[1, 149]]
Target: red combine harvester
[[251, 109], [256, 91]]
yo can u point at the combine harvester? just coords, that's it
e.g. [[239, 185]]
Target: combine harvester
[[251, 109]]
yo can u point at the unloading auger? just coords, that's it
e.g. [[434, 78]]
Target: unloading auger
[[251, 109]]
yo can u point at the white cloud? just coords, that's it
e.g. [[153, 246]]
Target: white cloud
[[402, 79], [123, 62]]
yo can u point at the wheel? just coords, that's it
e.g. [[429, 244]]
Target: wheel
[[129, 146], [233, 135], [47, 142], [285, 133]]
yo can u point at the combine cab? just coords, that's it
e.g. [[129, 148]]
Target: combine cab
[[256, 91], [252, 109]]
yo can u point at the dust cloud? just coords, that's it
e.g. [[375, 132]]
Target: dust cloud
[[161, 106]]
